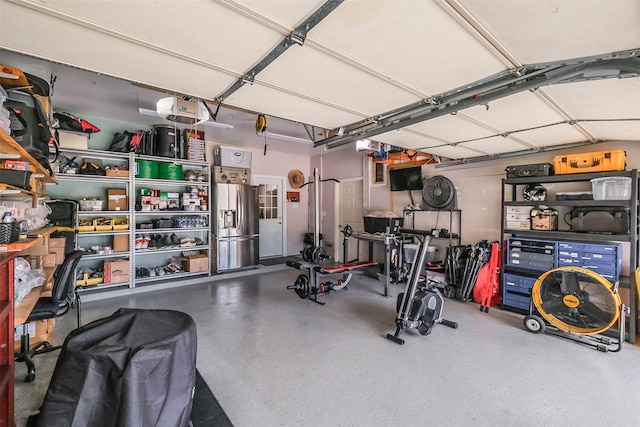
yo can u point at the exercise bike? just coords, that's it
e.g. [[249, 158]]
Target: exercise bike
[[419, 307]]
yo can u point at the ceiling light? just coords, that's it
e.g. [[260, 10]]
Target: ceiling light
[[209, 123], [288, 138]]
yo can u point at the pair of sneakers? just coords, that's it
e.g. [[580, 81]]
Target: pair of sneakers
[[157, 241], [188, 242], [142, 242]]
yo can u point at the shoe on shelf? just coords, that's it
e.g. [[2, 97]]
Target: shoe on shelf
[[187, 242], [160, 241]]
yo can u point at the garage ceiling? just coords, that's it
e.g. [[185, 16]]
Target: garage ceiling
[[359, 62]]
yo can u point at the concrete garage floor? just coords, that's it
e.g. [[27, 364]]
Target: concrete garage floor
[[272, 359]]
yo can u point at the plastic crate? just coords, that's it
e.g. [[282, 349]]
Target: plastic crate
[[91, 205], [9, 232], [86, 225], [120, 223], [103, 224], [611, 188]]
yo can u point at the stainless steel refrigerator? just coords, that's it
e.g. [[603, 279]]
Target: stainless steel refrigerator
[[236, 226]]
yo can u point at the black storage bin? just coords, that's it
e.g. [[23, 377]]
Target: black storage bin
[[16, 178], [531, 170], [167, 141], [162, 223], [382, 225]]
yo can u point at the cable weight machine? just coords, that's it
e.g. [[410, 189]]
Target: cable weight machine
[[309, 286]]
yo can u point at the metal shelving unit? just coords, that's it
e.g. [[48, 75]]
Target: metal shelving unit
[[511, 190], [95, 186]]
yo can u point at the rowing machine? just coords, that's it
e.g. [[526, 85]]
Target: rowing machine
[[419, 308]]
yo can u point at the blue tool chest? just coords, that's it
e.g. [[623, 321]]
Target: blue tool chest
[[604, 259], [543, 255]]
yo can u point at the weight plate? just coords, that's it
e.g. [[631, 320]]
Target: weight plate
[[307, 253], [302, 286], [319, 256]]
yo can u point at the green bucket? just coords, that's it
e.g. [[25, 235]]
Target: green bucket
[[147, 169], [171, 171]]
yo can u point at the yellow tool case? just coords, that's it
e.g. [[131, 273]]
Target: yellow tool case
[[594, 161]]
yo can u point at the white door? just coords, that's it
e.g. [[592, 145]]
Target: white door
[[270, 201], [350, 213]]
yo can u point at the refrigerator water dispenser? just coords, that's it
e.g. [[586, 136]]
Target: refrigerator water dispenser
[[228, 218]]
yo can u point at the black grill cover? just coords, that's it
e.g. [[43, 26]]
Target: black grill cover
[[134, 368]]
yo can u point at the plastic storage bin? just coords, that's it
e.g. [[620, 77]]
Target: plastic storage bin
[[91, 205], [611, 188]]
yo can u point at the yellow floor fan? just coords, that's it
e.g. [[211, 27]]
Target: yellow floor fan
[[578, 304]]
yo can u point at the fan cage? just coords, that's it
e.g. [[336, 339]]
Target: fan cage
[[439, 193], [606, 290]]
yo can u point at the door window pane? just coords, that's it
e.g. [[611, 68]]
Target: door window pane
[[268, 200]]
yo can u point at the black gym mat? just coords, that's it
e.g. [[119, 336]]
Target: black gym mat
[[206, 410]]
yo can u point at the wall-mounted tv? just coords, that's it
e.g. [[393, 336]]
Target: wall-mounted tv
[[405, 178]]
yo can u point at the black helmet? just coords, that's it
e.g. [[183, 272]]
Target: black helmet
[[535, 193]]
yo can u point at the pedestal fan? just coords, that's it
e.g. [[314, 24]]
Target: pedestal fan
[[580, 305]]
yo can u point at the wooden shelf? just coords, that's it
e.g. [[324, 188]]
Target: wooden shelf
[[10, 147], [23, 244]]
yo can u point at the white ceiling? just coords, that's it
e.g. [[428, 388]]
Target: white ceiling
[[365, 58]]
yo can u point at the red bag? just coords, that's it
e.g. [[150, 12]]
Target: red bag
[[67, 121], [488, 283]]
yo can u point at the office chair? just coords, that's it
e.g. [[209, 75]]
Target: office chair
[[63, 297]]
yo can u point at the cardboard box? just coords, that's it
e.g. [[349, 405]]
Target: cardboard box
[[73, 140], [118, 173], [50, 260], [117, 199], [41, 247], [16, 165], [57, 247], [195, 263], [121, 243], [519, 209], [116, 271], [518, 225], [39, 330]]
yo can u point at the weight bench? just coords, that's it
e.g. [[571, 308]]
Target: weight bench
[[308, 286], [352, 267]]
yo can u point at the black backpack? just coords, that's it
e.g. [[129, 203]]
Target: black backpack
[[30, 126]]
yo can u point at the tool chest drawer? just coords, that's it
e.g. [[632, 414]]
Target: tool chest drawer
[[516, 300], [531, 253], [517, 283], [609, 248]]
